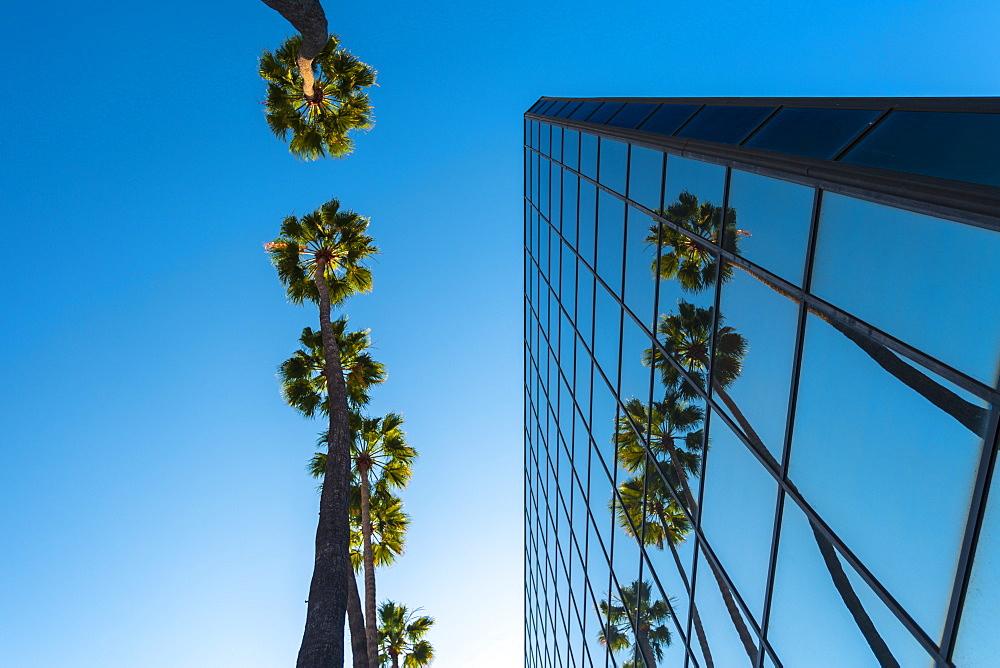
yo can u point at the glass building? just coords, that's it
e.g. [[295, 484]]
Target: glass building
[[761, 366]]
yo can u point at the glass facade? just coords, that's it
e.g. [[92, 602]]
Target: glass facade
[[762, 341]]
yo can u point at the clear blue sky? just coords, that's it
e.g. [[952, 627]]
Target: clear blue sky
[[155, 507]]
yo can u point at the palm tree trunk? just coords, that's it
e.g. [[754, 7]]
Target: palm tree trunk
[[727, 595], [826, 549], [395, 657], [642, 640], [972, 417], [308, 18], [323, 640], [356, 620], [695, 617], [371, 630]]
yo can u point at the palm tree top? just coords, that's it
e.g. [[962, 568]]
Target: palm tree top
[[330, 237], [319, 121], [401, 633]]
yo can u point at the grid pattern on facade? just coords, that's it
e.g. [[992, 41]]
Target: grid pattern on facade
[[759, 425]]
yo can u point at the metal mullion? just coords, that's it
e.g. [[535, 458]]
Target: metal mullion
[[800, 330], [970, 541], [821, 306], [761, 125], [862, 134]]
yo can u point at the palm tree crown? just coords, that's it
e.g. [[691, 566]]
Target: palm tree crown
[[318, 122], [303, 384], [633, 622], [331, 237], [401, 634]]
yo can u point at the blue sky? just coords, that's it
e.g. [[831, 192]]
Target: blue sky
[[155, 506]]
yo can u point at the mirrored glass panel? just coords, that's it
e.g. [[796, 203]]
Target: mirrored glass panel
[[821, 608], [694, 195], [814, 133], [588, 155], [566, 111], [632, 115], [584, 110], [668, 118], [545, 140], [556, 143], [754, 351], [725, 125], [900, 270], [645, 177], [614, 159], [949, 145], [769, 223], [571, 149], [610, 240], [640, 266], [737, 514], [604, 112], [587, 227], [898, 454], [731, 638]]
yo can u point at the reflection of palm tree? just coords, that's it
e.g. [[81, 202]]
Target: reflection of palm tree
[[693, 265], [633, 622], [686, 337]]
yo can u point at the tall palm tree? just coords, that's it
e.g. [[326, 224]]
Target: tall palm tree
[[686, 336], [321, 108], [693, 265], [383, 461], [636, 623], [389, 524], [321, 258], [401, 634], [308, 17]]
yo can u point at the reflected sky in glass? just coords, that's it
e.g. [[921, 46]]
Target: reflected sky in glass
[[902, 271], [809, 623], [645, 177], [773, 218], [862, 436], [724, 640], [614, 156]]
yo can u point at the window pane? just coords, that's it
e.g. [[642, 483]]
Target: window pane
[[668, 118], [703, 183], [568, 109], [631, 115], [645, 178], [864, 437], [614, 158], [949, 145], [723, 626], [588, 222], [725, 125], [640, 266], [901, 271], [978, 643], [588, 155], [556, 151], [584, 110], [545, 141], [815, 133], [773, 220], [610, 235], [571, 149], [809, 618], [604, 112]]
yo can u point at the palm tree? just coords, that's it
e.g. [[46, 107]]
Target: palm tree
[[308, 17], [383, 461], [401, 634], [303, 385], [389, 525], [633, 622], [321, 258], [693, 264], [320, 113]]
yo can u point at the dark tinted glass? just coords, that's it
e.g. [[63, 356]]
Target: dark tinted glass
[[568, 109], [536, 106], [614, 159], [725, 125], [556, 107], [584, 110], [815, 133], [668, 118], [631, 115], [949, 145], [606, 111]]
